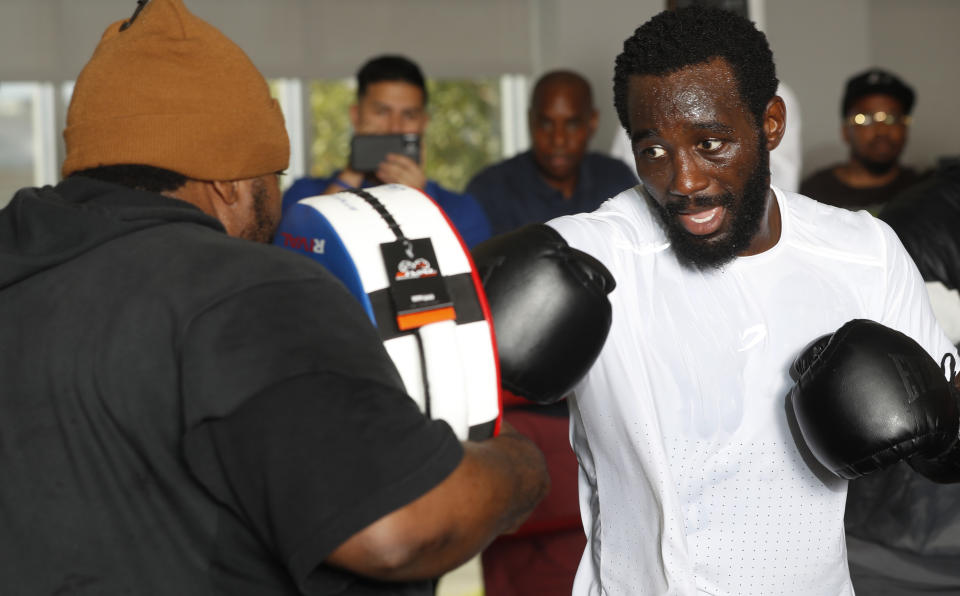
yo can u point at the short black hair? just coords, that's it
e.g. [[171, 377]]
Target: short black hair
[[390, 68], [135, 176], [675, 39]]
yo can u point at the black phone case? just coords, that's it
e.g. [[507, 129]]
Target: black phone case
[[367, 151]]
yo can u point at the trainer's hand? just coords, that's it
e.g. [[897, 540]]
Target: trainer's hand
[[868, 397], [400, 169], [549, 306]]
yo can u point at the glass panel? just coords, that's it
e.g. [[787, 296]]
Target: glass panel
[[464, 132], [329, 125], [17, 138], [289, 93]]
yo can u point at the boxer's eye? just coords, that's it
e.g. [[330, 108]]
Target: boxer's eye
[[653, 152], [711, 144]]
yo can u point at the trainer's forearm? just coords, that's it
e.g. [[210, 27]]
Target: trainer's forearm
[[494, 489]]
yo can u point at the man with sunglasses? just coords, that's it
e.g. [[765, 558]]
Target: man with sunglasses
[[876, 116]]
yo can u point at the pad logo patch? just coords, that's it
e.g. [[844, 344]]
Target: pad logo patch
[[311, 245], [417, 287], [414, 269]]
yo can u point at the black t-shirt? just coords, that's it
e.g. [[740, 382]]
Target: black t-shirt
[[825, 187], [186, 413]]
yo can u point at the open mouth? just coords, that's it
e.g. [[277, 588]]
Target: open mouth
[[702, 223]]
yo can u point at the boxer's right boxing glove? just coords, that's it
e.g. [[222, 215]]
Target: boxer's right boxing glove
[[868, 396], [549, 307]]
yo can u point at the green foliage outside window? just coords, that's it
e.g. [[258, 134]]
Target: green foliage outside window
[[330, 125], [464, 132], [463, 135]]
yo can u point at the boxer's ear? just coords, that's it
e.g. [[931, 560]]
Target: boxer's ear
[[774, 122]]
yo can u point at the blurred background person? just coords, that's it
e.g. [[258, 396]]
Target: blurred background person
[[875, 110], [558, 175], [392, 99]]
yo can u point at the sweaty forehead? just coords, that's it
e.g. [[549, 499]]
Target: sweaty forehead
[[700, 93]]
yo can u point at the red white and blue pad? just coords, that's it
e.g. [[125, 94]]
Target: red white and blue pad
[[399, 255]]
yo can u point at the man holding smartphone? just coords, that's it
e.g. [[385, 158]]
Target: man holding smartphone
[[392, 100]]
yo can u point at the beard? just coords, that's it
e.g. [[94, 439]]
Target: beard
[[876, 167], [264, 223], [744, 213]]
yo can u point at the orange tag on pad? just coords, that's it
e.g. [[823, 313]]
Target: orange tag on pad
[[417, 288]]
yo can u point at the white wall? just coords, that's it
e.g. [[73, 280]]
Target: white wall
[[817, 45], [920, 41], [52, 39], [586, 37]]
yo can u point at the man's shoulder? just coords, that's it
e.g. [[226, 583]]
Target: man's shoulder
[[464, 211], [439, 192], [498, 173], [228, 261], [605, 164], [308, 186], [910, 177], [822, 174], [819, 179], [607, 175], [622, 222], [832, 231], [445, 196]]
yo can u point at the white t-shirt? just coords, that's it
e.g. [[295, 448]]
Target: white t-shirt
[[690, 479]]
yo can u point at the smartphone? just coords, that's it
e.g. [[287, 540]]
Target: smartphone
[[367, 151]]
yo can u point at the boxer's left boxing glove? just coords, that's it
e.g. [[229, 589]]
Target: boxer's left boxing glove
[[549, 307], [867, 397]]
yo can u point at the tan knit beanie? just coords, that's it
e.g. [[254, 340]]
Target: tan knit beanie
[[171, 91]]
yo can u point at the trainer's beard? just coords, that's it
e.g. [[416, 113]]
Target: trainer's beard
[[264, 225], [745, 213]]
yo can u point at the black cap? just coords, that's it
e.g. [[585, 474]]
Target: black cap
[[876, 81]]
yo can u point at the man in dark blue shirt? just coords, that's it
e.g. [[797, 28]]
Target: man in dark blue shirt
[[392, 99], [558, 176]]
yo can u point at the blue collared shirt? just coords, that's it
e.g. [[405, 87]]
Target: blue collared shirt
[[513, 193]]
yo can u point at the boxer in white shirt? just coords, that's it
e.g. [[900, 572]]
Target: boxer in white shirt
[[693, 479]]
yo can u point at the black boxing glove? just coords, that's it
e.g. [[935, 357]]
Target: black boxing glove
[[549, 307], [867, 397]]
